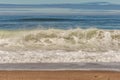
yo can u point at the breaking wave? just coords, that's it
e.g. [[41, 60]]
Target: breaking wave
[[58, 39]]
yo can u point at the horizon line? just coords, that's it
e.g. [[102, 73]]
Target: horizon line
[[56, 3]]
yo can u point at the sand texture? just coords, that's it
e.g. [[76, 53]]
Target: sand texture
[[59, 75]]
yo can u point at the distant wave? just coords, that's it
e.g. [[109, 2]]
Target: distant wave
[[57, 39], [63, 19], [45, 19]]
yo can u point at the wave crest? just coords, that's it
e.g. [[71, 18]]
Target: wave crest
[[56, 39]]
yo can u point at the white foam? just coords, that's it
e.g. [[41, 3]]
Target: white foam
[[56, 39], [57, 56]]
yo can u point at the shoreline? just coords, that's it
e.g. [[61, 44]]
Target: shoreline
[[78, 66], [60, 71]]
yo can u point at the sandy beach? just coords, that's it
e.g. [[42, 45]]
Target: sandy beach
[[60, 71], [59, 75]]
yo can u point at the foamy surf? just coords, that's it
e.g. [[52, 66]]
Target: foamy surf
[[57, 56], [90, 40], [56, 45]]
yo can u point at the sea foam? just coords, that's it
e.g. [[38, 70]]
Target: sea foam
[[57, 56], [90, 40]]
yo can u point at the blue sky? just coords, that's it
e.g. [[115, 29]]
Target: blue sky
[[54, 1]]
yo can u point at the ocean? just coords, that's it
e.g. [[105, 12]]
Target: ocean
[[14, 22], [56, 37]]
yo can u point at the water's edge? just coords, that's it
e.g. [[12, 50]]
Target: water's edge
[[61, 66]]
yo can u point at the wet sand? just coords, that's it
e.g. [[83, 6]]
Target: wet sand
[[60, 71], [59, 75]]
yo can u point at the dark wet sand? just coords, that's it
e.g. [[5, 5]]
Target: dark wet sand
[[60, 71]]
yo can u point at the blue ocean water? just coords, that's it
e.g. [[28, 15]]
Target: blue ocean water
[[59, 29], [60, 33], [13, 22]]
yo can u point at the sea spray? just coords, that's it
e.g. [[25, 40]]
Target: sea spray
[[57, 39]]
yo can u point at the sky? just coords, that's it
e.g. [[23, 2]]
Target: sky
[[54, 1]]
